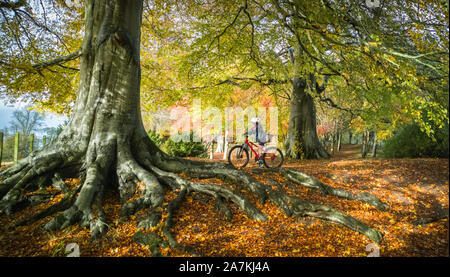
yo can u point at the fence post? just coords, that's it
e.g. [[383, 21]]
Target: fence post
[[44, 141], [16, 148], [31, 142], [1, 147]]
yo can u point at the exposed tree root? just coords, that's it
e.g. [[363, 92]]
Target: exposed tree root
[[64, 204], [311, 182], [302, 207], [130, 174], [87, 208], [216, 191], [173, 205], [141, 177]]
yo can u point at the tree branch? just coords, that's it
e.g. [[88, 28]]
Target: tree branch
[[58, 61], [12, 5], [226, 28], [331, 103]]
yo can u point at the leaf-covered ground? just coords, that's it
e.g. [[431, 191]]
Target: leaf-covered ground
[[414, 189]]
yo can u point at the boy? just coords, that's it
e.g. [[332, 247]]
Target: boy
[[260, 135]]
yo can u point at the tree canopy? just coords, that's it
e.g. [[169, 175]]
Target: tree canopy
[[370, 61]]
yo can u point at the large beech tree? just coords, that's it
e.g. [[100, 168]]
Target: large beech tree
[[105, 144]]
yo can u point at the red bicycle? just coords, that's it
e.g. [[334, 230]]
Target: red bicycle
[[238, 156]]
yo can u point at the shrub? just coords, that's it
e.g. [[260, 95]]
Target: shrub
[[186, 149], [156, 138], [411, 142]]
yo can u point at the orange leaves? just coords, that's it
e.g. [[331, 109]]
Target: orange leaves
[[414, 188], [283, 236]]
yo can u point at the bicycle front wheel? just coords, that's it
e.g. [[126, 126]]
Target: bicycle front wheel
[[273, 157], [238, 156]]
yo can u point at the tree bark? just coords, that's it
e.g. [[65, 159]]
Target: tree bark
[[339, 138], [365, 142], [333, 139], [374, 146], [225, 147], [220, 144], [302, 140]]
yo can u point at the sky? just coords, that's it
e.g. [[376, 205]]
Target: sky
[[6, 112]]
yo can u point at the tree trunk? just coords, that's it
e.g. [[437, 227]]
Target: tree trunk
[[220, 144], [225, 147], [350, 135], [339, 139], [105, 124], [302, 140], [365, 142], [31, 145], [211, 152], [333, 139], [374, 146]]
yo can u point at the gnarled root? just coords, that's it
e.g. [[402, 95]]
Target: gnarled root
[[87, 208], [302, 207], [142, 176], [311, 182], [34, 170]]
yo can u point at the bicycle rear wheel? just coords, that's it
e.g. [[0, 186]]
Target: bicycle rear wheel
[[238, 156], [273, 157]]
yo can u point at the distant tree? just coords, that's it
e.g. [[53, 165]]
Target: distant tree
[[25, 122]]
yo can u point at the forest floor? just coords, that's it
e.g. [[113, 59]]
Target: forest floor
[[413, 188]]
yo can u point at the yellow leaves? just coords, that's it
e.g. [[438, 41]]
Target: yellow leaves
[[388, 80], [319, 82], [330, 248], [383, 134]]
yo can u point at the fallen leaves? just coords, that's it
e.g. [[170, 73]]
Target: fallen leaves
[[412, 187]]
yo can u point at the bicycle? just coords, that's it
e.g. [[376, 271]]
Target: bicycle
[[238, 156]]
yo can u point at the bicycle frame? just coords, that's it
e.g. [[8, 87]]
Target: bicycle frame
[[249, 144]]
